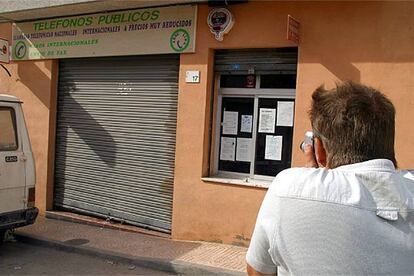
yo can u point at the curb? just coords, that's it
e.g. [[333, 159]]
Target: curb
[[173, 266]]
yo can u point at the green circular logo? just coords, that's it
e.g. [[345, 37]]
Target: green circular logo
[[20, 50], [179, 40]]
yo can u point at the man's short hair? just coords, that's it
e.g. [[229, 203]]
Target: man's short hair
[[355, 122]]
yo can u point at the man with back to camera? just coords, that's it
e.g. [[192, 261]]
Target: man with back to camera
[[350, 212]]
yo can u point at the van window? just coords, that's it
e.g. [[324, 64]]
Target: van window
[[8, 135]]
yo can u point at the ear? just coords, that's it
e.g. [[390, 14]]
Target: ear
[[320, 152]]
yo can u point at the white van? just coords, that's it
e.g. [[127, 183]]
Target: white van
[[17, 168]]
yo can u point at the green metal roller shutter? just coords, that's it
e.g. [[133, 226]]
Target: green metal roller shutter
[[115, 141]]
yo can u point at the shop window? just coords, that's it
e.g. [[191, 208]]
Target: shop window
[[238, 81], [254, 127], [235, 140], [278, 81], [274, 136], [8, 135]]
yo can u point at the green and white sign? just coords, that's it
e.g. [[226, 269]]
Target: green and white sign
[[144, 31]]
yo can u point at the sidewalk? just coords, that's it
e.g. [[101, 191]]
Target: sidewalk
[[181, 257]]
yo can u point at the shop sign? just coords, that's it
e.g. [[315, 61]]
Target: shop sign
[[159, 30], [220, 21], [4, 51], [293, 30]]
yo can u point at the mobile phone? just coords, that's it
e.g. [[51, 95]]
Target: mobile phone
[[308, 140]]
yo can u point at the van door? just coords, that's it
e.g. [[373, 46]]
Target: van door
[[12, 161]]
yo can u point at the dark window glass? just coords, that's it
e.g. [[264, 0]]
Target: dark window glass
[[278, 81], [264, 166], [8, 134], [244, 106], [237, 81]]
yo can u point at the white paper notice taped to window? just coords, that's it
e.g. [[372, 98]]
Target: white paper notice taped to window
[[273, 150], [267, 120], [228, 147], [285, 112], [230, 122], [243, 149], [246, 123]]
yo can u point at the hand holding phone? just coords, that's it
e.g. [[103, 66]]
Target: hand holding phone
[[308, 140], [309, 154]]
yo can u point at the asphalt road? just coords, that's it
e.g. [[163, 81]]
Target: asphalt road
[[17, 258]]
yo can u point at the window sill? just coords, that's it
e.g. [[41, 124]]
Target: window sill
[[258, 183]]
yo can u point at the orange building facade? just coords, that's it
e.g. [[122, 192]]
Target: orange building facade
[[367, 42]]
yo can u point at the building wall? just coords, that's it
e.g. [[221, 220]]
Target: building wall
[[33, 82], [368, 42]]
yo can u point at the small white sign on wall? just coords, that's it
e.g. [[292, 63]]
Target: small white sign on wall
[[192, 77]]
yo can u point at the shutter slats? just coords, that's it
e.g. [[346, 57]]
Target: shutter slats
[[144, 159], [115, 138], [263, 61]]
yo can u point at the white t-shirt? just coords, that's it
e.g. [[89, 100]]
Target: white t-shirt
[[353, 220]]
